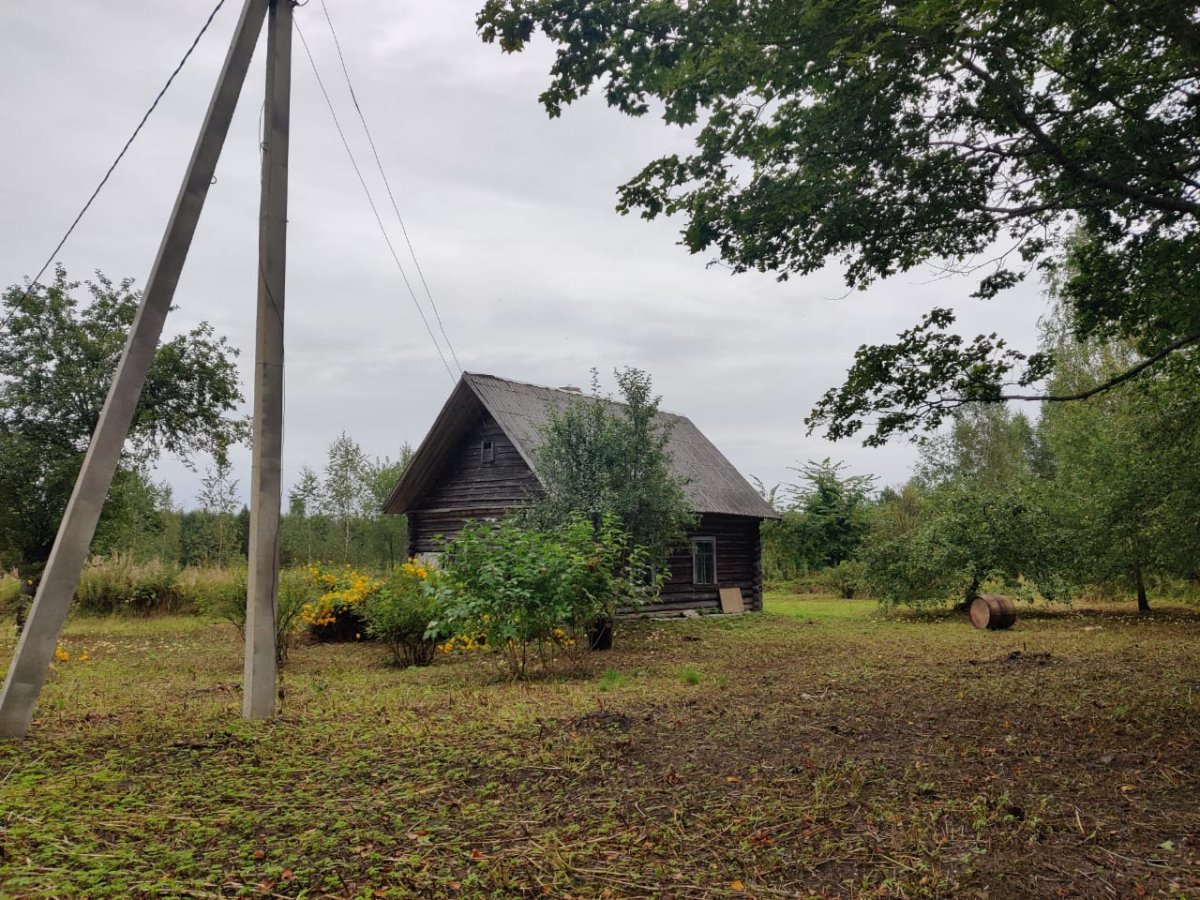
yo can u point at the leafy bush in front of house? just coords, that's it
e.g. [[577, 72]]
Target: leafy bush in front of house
[[533, 593], [400, 614]]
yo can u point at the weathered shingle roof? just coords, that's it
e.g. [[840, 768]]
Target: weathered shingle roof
[[522, 410]]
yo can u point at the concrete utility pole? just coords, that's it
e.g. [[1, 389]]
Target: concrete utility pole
[[262, 600], [30, 665]]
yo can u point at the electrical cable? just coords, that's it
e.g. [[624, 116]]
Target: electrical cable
[[371, 200], [103, 181], [387, 184]]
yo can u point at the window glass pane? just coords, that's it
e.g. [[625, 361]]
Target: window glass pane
[[704, 564]]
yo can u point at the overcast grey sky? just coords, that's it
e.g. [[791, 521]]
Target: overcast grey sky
[[512, 216]]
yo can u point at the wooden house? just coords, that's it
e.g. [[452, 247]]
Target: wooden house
[[479, 461]]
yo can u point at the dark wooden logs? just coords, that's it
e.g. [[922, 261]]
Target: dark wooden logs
[[993, 611]]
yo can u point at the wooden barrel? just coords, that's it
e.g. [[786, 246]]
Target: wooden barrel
[[993, 611]]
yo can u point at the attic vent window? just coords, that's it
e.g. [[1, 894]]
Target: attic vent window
[[487, 452]]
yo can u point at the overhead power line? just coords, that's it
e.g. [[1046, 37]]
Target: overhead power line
[[371, 200], [388, 185], [107, 175]]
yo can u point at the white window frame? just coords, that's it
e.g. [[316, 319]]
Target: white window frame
[[712, 541], [487, 450]]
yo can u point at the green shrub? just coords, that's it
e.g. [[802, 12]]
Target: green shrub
[[533, 593], [847, 579], [400, 614], [115, 585], [222, 593], [296, 591]]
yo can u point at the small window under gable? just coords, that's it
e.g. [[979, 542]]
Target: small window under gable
[[487, 451], [704, 560]]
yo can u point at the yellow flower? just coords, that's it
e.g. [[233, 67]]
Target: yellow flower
[[61, 655]]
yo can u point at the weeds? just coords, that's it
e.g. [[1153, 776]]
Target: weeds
[[118, 584]]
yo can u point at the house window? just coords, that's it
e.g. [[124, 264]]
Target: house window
[[704, 560], [487, 452]]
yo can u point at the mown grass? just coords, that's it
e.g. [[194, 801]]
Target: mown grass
[[818, 608], [820, 748]]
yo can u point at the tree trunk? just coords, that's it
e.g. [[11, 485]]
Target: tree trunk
[[600, 636], [1140, 583], [971, 593]]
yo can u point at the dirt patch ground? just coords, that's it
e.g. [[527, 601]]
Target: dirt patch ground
[[815, 750]]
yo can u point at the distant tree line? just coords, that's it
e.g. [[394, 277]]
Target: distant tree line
[[334, 515]]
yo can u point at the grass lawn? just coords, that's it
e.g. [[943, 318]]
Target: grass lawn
[[818, 748]]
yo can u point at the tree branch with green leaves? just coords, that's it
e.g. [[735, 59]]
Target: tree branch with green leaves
[[885, 136]]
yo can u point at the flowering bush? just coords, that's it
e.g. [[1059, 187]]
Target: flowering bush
[[524, 592], [400, 613], [463, 643], [336, 615]]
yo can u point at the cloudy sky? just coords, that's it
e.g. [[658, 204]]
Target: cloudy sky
[[512, 216]]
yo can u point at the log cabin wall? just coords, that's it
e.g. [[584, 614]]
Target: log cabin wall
[[738, 564], [470, 487]]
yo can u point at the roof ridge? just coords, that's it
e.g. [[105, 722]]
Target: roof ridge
[[580, 393]]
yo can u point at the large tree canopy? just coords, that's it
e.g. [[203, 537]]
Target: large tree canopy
[[57, 358], [887, 134]]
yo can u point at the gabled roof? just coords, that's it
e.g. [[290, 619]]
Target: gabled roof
[[522, 411]]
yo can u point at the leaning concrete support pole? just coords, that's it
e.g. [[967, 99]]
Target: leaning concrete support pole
[[262, 595], [29, 667]]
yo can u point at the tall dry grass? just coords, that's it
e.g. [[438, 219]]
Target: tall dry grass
[[10, 589], [119, 584]]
